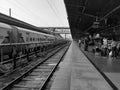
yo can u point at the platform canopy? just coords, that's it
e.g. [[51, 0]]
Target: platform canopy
[[19, 23], [83, 15]]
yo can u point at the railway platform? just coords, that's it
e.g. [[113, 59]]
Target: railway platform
[[108, 65], [76, 72]]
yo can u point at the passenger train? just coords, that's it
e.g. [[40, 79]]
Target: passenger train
[[10, 34]]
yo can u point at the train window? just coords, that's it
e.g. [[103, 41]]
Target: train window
[[33, 39], [21, 40], [30, 39], [6, 40]]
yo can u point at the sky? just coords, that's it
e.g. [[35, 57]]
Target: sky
[[41, 13]]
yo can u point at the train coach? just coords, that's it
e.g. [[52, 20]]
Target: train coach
[[12, 35]]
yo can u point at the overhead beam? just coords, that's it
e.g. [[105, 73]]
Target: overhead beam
[[88, 29], [74, 5], [113, 10], [90, 15], [84, 6], [86, 14]]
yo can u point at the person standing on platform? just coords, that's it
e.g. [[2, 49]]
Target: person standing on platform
[[86, 44], [79, 42], [117, 49], [113, 46], [105, 46]]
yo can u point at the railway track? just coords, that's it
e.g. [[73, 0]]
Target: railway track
[[37, 75]]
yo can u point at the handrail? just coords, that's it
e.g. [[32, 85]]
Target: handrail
[[12, 44]]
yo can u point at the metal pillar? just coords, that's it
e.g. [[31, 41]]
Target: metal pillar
[[65, 35], [10, 12]]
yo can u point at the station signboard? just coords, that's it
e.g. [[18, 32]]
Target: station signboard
[[95, 24]]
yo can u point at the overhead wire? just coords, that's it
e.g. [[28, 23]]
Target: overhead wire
[[27, 13], [17, 5], [53, 10], [29, 10], [56, 8], [7, 12], [54, 1]]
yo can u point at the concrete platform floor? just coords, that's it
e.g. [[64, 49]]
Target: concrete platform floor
[[108, 65], [77, 73]]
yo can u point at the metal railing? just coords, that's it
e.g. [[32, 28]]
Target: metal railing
[[16, 48]]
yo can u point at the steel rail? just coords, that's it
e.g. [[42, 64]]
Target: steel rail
[[52, 72]]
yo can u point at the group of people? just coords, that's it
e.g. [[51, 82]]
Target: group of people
[[108, 48], [112, 48], [85, 42], [103, 46]]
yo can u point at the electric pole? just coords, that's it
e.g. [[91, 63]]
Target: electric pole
[[10, 12]]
